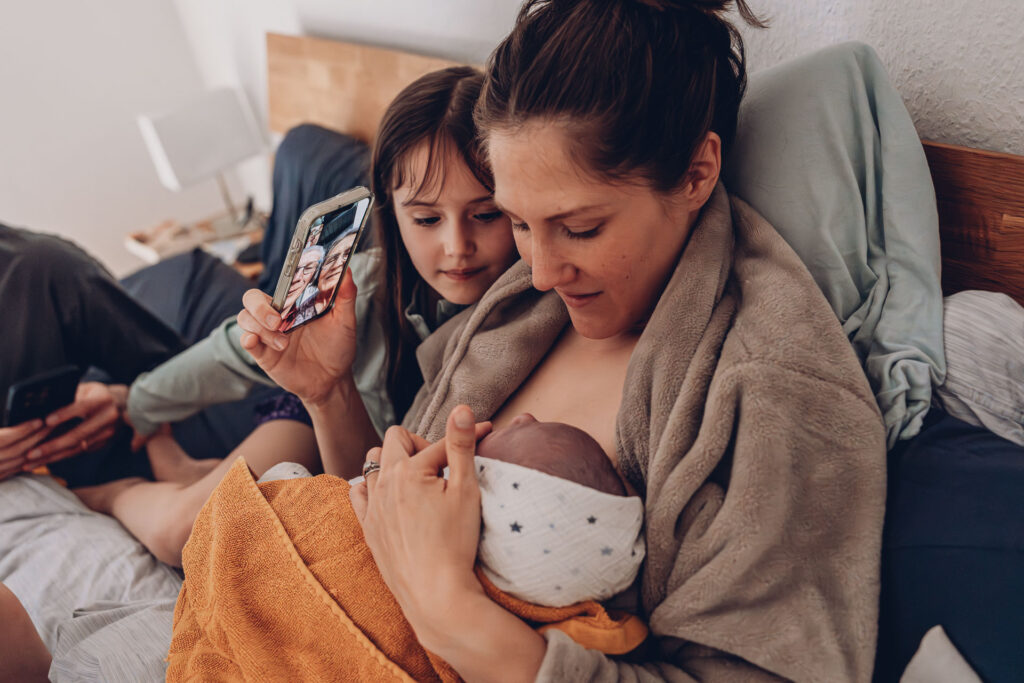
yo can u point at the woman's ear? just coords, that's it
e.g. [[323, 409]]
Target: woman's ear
[[704, 171]]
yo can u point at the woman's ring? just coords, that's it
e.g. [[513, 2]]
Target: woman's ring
[[84, 444], [370, 467]]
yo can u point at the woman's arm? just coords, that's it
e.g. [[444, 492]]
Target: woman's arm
[[423, 532]]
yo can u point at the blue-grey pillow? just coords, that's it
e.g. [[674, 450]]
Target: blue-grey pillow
[[826, 151]]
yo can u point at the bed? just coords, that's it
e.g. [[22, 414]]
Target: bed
[[980, 199]]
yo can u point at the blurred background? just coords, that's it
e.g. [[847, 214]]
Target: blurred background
[[75, 76]]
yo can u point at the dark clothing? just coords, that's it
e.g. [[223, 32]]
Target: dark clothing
[[953, 552], [194, 293], [311, 164], [62, 307]]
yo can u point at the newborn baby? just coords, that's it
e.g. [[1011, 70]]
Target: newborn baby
[[558, 525]]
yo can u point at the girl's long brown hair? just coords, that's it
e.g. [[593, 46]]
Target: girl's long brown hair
[[436, 110]]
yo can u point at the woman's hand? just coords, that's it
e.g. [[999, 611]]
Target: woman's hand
[[310, 361], [423, 530], [99, 408], [16, 442]]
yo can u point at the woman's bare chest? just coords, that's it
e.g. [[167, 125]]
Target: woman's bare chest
[[576, 386]]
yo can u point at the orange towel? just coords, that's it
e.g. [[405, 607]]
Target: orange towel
[[280, 585]]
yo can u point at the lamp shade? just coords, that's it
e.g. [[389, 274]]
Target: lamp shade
[[201, 138]]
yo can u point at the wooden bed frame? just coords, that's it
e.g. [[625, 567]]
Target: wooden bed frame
[[980, 194]]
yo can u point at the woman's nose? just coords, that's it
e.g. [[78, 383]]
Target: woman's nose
[[549, 269], [458, 240]]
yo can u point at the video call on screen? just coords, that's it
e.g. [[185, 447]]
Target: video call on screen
[[328, 246]]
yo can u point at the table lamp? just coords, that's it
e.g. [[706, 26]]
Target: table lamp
[[201, 139]]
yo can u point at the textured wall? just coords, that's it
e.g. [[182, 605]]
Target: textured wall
[[959, 64]]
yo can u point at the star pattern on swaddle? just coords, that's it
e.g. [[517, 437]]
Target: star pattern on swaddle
[[556, 550]]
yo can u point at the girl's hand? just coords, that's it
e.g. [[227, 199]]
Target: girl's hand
[[310, 361], [423, 530]]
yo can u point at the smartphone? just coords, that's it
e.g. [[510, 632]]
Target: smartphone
[[326, 235], [40, 395]]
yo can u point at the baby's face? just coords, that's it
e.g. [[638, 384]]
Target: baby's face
[[554, 448]]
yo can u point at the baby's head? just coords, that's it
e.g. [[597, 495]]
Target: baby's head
[[554, 448], [558, 526]]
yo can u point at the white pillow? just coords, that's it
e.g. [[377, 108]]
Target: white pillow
[[984, 337]]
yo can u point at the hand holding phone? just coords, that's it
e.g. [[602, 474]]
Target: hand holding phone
[[95, 414], [309, 361]]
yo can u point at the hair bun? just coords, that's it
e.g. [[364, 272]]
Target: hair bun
[[710, 7]]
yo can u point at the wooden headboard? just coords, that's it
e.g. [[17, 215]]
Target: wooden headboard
[[347, 87], [343, 86]]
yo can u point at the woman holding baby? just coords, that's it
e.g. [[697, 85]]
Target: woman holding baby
[[670, 322]]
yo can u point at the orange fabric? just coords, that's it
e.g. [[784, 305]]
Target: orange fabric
[[280, 585], [588, 623]]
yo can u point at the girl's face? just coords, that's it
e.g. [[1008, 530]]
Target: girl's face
[[458, 240], [606, 249]]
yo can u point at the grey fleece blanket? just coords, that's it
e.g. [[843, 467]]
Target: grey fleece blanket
[[748, 424]]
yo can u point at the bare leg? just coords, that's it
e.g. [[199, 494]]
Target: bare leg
[[171, 463], [160, 514], [23, 657]]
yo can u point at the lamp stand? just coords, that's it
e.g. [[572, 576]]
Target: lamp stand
[[226, 196]]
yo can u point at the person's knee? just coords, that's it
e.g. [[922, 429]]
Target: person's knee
[[171, 538], [23, 656]]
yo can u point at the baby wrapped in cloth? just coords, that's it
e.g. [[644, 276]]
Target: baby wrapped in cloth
[[558, 527], [279, 582]]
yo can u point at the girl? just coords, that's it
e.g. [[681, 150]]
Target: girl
[[442, 242]]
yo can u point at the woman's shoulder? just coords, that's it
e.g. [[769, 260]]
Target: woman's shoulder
[[782, 316]]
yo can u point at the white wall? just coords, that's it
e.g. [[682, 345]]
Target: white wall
[[73, 76], [957, 63]]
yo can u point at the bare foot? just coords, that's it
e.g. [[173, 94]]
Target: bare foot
[[171, 463], [101, 498]]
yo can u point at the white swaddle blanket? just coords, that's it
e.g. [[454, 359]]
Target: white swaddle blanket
[[554, 542]]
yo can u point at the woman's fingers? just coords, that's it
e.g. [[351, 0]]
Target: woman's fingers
[[370, 478], [360, 500], [93, 431], [460, 444], [398, 446], [9, 436]]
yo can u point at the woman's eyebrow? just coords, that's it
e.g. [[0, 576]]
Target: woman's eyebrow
[[560, 216]]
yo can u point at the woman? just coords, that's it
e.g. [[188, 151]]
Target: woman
[[672, 324], [443, 244]]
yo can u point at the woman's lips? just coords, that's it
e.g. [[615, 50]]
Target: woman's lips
[[578, 300], [462, 274]]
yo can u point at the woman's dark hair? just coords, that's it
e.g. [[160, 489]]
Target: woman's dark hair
[[436, 110], [639, 83]]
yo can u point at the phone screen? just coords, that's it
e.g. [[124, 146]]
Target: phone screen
[[329, 243]]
